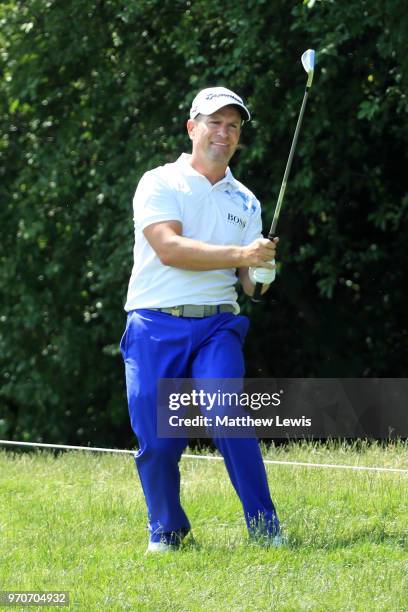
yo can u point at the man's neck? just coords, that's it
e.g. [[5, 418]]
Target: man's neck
[[213, 172]]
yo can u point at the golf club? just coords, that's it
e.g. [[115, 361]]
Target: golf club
[[308, 62]]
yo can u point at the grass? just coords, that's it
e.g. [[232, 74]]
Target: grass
[[77, 522]]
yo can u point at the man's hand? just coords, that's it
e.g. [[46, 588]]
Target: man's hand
[[260, 253], [262, 275]]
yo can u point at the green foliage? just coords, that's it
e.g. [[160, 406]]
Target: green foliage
[[94, 93]]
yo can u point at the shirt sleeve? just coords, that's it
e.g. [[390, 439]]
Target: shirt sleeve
[[254, 227], [154, 201]]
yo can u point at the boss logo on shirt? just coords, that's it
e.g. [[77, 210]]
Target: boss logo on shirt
[[231, 218]]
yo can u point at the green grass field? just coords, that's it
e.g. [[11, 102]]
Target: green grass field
[[76, 522]]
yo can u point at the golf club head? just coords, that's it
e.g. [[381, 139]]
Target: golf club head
[[308, 62]]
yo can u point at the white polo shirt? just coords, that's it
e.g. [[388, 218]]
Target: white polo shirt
[[226, 213]]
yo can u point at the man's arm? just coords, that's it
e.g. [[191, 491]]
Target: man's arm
[[176, 250]]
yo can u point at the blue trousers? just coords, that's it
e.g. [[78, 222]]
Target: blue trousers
[[157, 345]]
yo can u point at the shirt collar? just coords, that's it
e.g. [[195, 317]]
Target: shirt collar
[[228, 179]]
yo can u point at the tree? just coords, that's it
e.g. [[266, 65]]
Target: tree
[[94, 93]]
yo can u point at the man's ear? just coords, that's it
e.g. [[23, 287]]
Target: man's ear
[[190, 128]]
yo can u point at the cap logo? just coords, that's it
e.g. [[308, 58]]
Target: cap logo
[[223, 95]]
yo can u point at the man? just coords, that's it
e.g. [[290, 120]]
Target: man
[[195, 227]]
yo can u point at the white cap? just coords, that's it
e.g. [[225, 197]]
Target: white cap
[[209, 100]]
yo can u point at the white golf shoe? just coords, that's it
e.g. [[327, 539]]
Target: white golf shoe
[[278, 541], [168, 542], [267, 541], [160, 547]]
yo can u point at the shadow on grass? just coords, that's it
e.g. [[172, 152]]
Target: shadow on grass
[[346, 540], [224, 541]]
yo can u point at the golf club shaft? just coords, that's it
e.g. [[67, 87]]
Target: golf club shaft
[[258, 287]]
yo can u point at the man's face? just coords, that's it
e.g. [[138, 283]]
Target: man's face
[[215, 137]]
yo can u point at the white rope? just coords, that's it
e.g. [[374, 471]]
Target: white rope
[[67, 447], [207, 457], [317, 465]]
